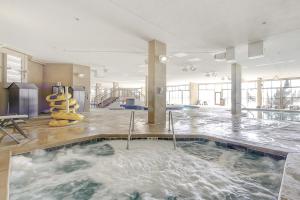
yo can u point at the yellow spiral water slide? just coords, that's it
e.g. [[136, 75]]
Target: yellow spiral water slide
[[63, 109]]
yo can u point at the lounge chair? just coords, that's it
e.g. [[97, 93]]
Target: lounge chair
[[11, 120]]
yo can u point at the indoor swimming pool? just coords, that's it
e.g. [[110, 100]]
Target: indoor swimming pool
[[151, 169]]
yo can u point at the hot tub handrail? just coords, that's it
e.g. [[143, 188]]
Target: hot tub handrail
[[131, 128], [171, 127]]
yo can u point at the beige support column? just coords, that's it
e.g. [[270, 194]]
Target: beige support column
[[236, 89], [115, 90], [194, 93], [259, 93], [156, 83], [146, 91], [98, 92]]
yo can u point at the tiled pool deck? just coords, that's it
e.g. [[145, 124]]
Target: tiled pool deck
[[271, 137]]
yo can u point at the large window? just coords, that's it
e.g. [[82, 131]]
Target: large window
[[271, 97], [14, 69], [281, 94], [249, 94], [215, 94], [179, 94]]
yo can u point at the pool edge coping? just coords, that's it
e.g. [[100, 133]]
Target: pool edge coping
[[4, 183], [284, 193]]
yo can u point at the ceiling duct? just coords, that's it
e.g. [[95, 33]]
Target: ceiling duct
[[220, 56], [230, 55], [256, 49], [99, 73]]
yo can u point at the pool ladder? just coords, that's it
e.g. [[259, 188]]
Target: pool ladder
[[131, 128], [171, 128]]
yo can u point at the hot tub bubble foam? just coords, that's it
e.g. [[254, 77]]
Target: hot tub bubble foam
[[149, 170]]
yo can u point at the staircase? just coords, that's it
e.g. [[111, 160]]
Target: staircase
[[121, 94], [106, 102]]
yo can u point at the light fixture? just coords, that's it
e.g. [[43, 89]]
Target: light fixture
[[163, 59], [184, 69], [80, 75], [180, 55], [220, 57], [194, 59], [225, 78], [230, 55], [211, 74], [193, 68], [256, 49]]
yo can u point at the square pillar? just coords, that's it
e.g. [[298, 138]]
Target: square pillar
[[194, 93], [115, 90], [146, 91], [156, 83], [236, 89], [259, 93]]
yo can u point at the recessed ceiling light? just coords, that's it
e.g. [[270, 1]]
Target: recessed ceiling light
[[141, 71], [180, 55], [231, 61], [143, 66], [77, 19], [193, 68], [194, 59], [276, 63], [184, 69], [264, 23]]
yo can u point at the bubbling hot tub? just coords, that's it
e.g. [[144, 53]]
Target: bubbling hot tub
[[149, 170]]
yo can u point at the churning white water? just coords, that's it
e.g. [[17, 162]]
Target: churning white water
[[149, 170]]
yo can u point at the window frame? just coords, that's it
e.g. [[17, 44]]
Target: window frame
[[24, 63]]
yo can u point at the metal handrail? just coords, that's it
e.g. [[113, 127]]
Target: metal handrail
[[131, 128], [121, 93], [171, 125], [102, 97], [245, 108]]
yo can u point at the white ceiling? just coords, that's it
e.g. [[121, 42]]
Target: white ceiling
[[114, 34]]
